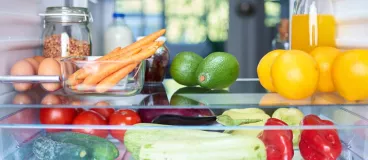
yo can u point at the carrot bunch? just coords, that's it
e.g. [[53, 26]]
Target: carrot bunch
[[108, 70]]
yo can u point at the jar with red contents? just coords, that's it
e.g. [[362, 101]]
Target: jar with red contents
[[156, 65]]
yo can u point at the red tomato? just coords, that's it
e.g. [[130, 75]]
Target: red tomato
[[90, 118], [57, 116], [106, 112], [123, 117], [80, 110]]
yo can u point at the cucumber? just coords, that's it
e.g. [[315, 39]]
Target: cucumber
[[134, 139], [46, 149], [99, 148], [220, 148]]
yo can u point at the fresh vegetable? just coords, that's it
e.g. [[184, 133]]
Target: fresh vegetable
[[91, 118], [217, 71], [142, 42], [228, 121], [218, 148], [105, 70], [184, 66], [97, 148], [46, 149], [252, 132], [109, 69], [321, 144], [279, 143], [147, 115], [247, 113], [292, 117], [134, 139], [105, 112], [123, 117], [82, 73], [115, 78], [57, 116]]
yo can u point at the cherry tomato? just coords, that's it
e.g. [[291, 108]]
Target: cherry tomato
[[91, 118], [57, 116], [106, 112], [123, 117]]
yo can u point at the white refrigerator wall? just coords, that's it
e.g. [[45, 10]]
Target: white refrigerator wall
[[20, 33]]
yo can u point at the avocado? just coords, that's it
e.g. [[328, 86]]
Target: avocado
[[184, 66], [217, 71]]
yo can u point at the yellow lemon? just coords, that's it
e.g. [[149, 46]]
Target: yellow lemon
[[264, 69], [325, 57], [350, 75], [295, 74]]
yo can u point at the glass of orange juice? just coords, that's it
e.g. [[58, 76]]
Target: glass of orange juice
[[313, 24]]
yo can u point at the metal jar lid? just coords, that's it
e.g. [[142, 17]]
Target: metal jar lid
[[67, 15]]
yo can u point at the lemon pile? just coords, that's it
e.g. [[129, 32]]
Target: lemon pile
[[297, 75]]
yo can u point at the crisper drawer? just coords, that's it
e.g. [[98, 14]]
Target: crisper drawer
[[238, 132]]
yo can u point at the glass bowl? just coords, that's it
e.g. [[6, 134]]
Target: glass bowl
[[125, 84]]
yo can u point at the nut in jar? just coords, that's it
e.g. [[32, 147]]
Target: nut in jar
[[60, 45], [66, 32]]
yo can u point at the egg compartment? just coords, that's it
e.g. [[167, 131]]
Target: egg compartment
[[85, 75]]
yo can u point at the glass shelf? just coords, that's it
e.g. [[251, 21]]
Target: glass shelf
[[20, 124]]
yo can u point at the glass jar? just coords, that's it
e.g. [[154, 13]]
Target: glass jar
[[66, 32], [313, 24], [156, 65]]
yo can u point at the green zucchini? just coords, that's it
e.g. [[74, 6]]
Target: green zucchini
[[100, 149], [134, 139], [47, 149], [220, 148]]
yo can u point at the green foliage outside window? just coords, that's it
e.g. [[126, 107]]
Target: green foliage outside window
[[193, 21]]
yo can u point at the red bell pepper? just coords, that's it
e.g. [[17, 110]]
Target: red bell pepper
[[321, 144], [279, 143]]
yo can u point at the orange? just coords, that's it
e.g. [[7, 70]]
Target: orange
[[264, 69], [295, 74], [325, 57], [350, 74]]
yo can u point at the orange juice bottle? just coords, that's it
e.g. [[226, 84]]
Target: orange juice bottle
[[313, 26]]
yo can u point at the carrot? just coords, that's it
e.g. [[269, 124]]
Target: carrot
[[114, 78], [150, 38], [72, 80], [111, 68], [124, 54], [114, 54], [85, 73]]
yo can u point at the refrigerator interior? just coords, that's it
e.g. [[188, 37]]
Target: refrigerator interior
[[20, 32]]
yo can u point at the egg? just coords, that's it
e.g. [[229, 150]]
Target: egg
[[39, 59], [22, 68], [34, 64], [50, 67], [51, 99], [22, 98]]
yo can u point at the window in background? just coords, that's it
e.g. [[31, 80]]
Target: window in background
[[186, 21], [272, 10]]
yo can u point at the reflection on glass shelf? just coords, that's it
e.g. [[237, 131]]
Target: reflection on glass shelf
[[243, 93]]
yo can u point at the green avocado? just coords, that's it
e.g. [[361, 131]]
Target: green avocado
[[217, 71], [184, 66]]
